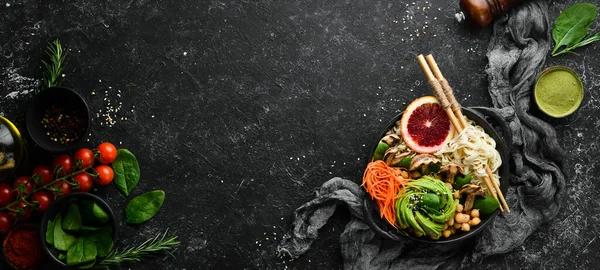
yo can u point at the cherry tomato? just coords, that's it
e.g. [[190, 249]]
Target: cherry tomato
[[5, 223], [23, 182], [105, 175], [86, 182], [6, 195], [65, 188], [24, 211], [43, 198], [44, 172], [108, 152], [86, 156], [65, 162]]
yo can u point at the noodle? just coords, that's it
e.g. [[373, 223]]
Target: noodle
[[473, 150]]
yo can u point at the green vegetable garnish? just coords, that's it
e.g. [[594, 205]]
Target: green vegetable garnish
[[460, 180], [144, 207], [54, 69], [486, 205], [405, 162], [127, 171], [380, 150], [570, 29]]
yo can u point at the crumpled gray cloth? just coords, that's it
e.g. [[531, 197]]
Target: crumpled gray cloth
[[516, 53]]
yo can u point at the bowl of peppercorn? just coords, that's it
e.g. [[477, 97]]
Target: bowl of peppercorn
[[58, 119]]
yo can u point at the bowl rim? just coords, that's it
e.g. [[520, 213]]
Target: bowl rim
[[56, 148], [79, 196], [578, 102], [371, 212]]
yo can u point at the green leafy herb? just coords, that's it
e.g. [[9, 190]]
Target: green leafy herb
[[62, 240], [82, 251], [72, 219], [54, 68], [62, 256], [103, 240], [144, 207], [570, 29], [88, 228], [127, 171], [153, 246], [50, 232]]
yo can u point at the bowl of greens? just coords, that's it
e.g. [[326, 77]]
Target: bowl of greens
[[78, 230]]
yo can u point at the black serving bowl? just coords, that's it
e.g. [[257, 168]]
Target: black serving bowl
[[67, 100], [59, 205], [385, 230]]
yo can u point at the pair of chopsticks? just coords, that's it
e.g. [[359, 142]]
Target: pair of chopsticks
[[443, 92]]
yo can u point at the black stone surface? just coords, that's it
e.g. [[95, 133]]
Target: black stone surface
[[240, 109]]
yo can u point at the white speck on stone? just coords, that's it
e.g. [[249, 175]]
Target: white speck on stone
[[184, 53], [153, 116], [99, 80], [63, 75], [7, 4]]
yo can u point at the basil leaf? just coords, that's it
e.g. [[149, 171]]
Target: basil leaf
[[50, 232], [82, 251], [144, 207], [62, 240], [103, 241], [127, 171], [573, 24], [71, 221]]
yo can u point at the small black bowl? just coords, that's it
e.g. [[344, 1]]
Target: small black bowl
[[66, 100], [59, 205], [384, 230]]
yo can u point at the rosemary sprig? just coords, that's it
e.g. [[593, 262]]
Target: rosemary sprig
[[54, 69], [159, 244]]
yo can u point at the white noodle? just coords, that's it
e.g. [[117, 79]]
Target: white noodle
[[472, 150]]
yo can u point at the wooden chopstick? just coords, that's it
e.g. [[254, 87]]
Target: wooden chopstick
[[439, 93], [443, 92]]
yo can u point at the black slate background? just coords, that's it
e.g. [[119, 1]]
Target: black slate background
[[240, 109]]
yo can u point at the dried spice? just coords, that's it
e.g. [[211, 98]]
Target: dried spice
[[23, 249], [62, 125]]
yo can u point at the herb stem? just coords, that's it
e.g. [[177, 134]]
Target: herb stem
[[159, 244], [54, 68]]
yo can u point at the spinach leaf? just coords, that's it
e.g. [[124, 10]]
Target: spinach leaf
[[62, 240], [144, 207], [50, 232], [572, 25], [92, 213], [102, 239], [82, 251], [62, 256], [88, 228], [88, 265], [71, 220], [127, 171]]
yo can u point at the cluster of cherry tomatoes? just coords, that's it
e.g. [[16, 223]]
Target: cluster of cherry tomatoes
[[67, 174]]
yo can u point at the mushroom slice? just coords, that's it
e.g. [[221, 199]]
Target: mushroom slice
[[471, 191], [422, 161], [393, 155], [449, 172], [391, 139]]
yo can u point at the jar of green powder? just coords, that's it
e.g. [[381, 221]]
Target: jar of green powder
[[558, 91]]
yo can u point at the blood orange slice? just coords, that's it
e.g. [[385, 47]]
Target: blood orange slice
[[425, 126]]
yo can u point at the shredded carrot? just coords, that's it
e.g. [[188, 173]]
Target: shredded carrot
[[385, 185]]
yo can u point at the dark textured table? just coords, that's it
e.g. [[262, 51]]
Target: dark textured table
[[240, 109]]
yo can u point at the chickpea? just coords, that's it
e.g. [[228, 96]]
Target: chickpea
[[452, 230], [465, 227], [404, 174], [475, 213], [459, 208], [450, 222], [415, 175], [446, 233], [475, 221], [456, 194], [445, 226], [461, 218], [456, 226]]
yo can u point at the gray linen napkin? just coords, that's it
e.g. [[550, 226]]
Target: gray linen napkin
[[516, 52]]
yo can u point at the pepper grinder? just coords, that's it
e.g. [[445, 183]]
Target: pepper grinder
[[483, 12]]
